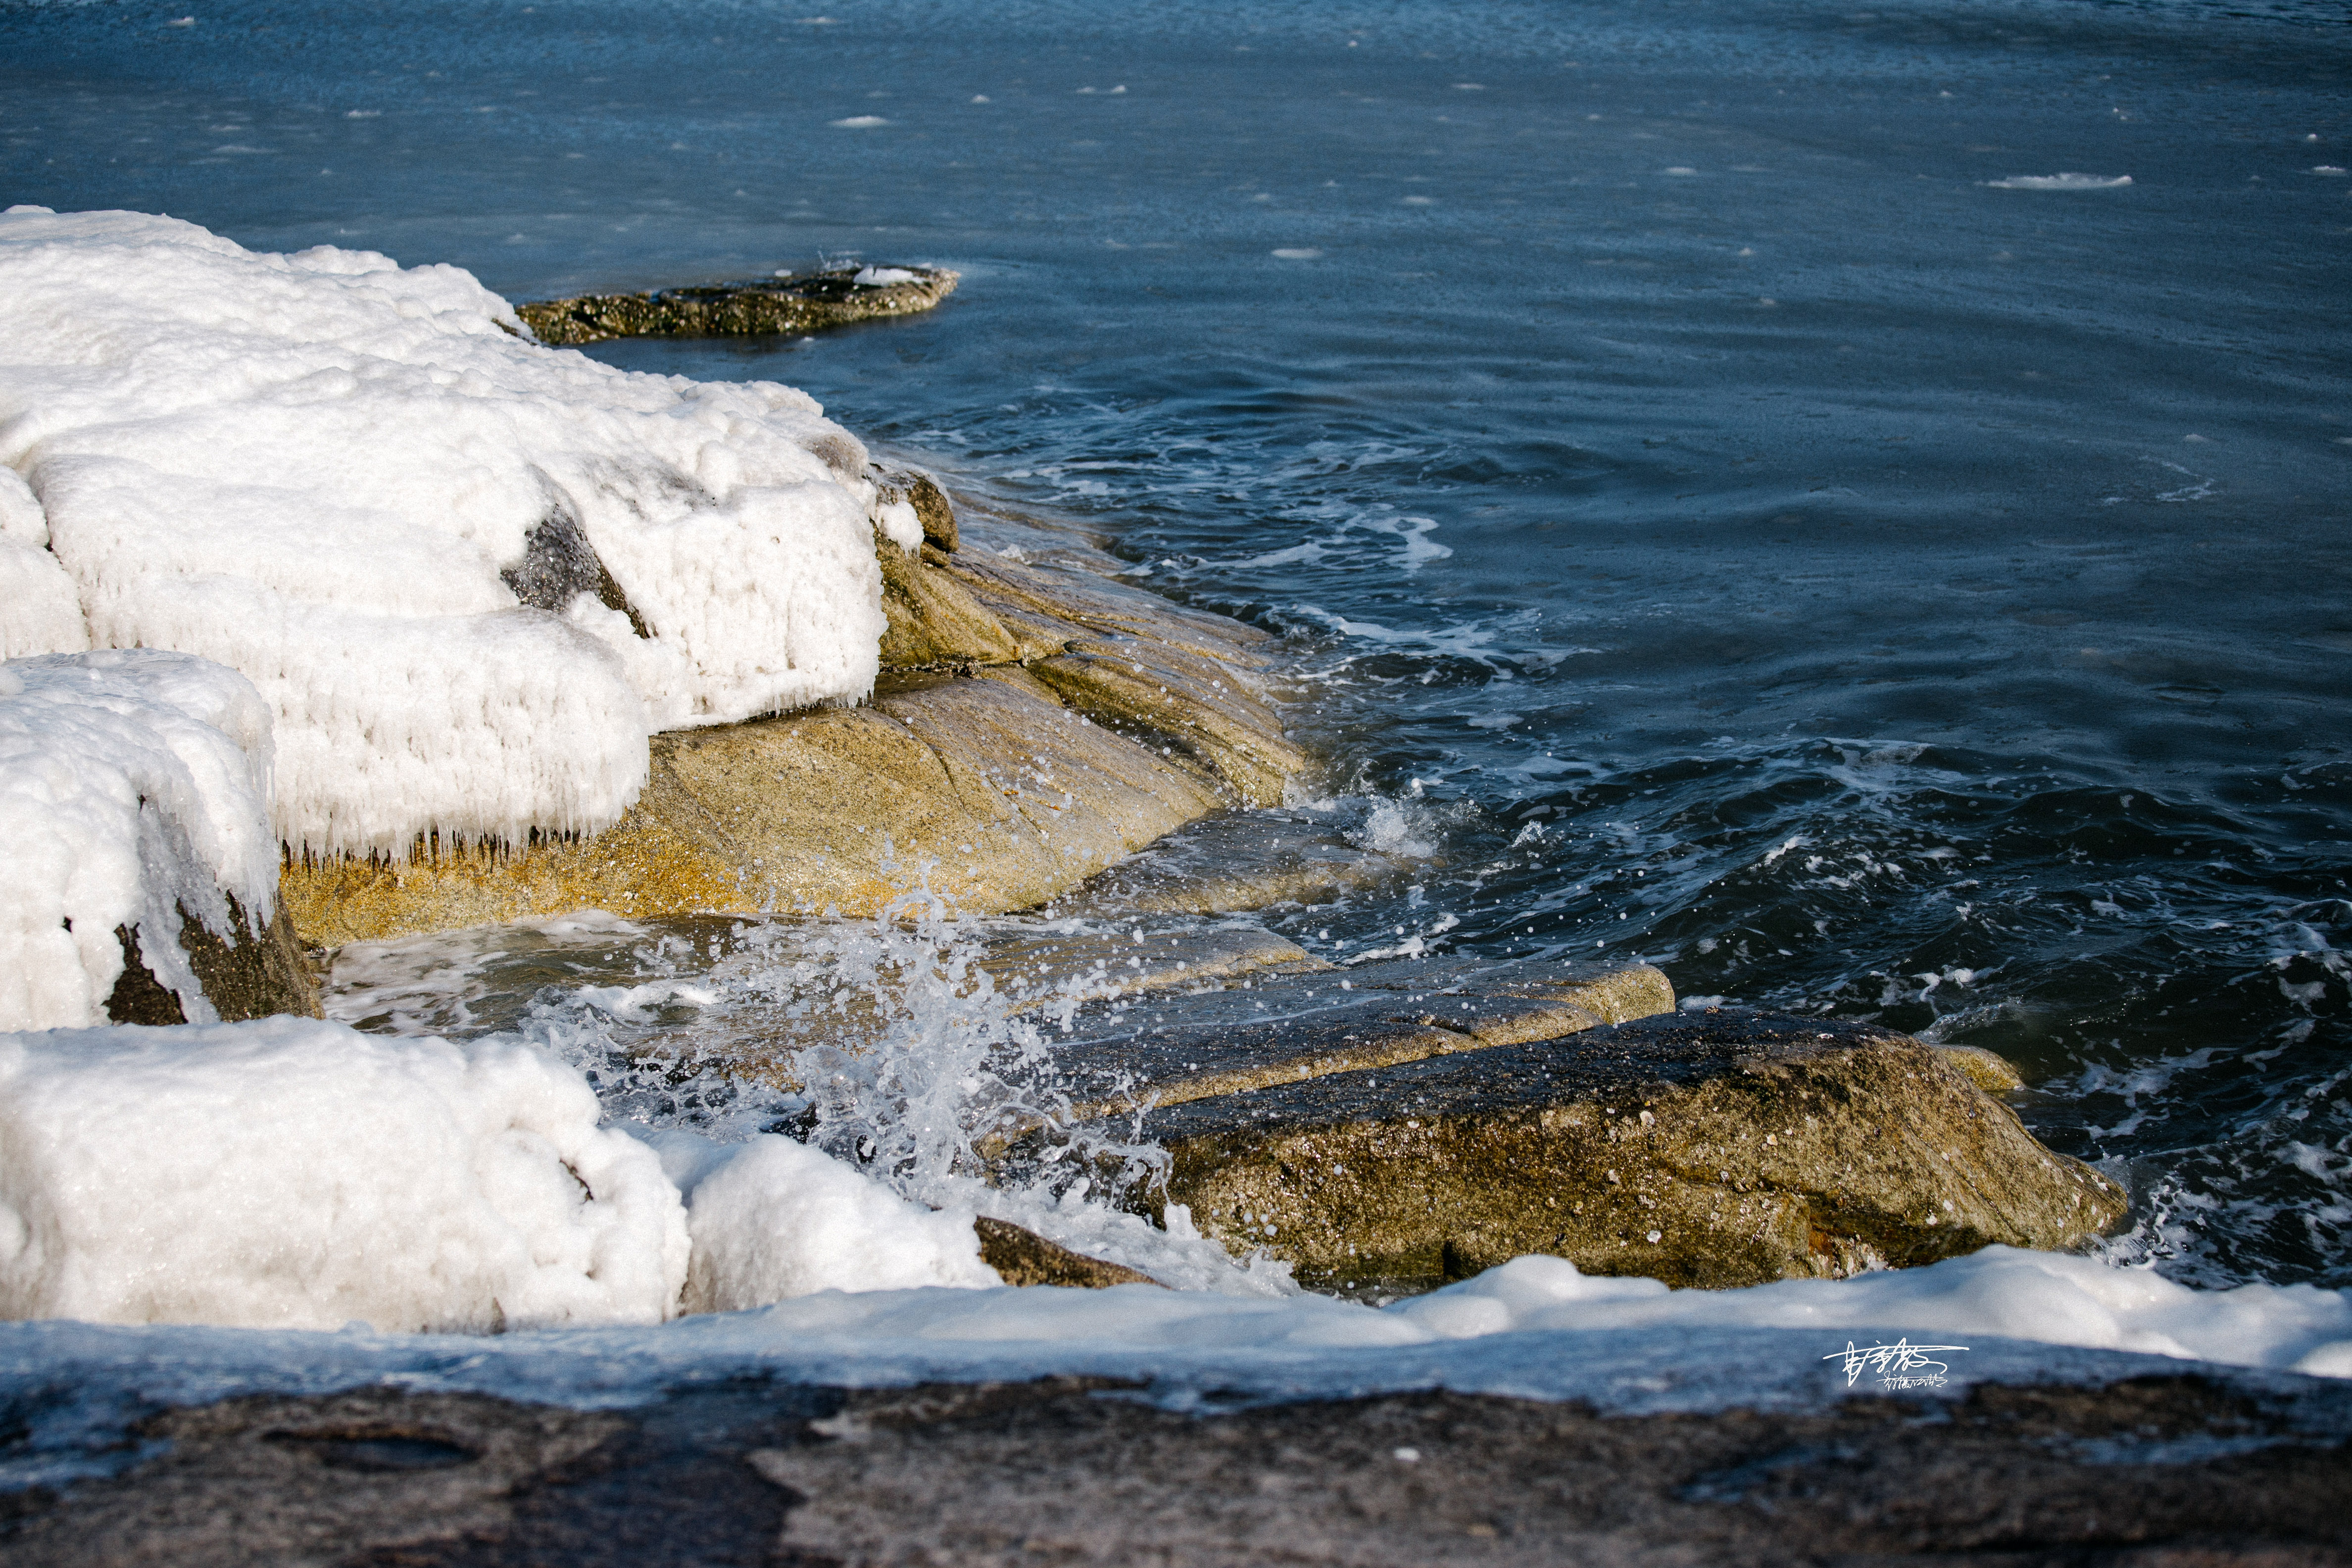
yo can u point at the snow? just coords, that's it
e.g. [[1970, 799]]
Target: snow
[[133, 784], [323, 469], [293, 1173], [38, 610], [771, 1219], [879, 276]]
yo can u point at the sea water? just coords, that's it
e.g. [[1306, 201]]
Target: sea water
[[1844, 503]]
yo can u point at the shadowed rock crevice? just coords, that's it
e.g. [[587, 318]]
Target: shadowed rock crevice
[[249, 976], [558, 564]]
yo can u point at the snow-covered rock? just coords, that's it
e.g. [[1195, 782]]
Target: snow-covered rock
[[294, 1174], [134, 787], [468, 574]]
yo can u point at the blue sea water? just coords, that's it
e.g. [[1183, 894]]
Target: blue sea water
[[1710, 474]]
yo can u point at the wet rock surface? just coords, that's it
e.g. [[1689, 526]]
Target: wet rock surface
[[1703, 1149], [1237, 861], [2148, 1472], [803, 302], [1263, 1033]]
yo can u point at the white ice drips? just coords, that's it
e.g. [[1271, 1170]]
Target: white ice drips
[[316, 469], [133, 784]]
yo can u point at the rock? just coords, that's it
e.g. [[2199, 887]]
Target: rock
[[1023, 1257], [804, 303], [2188, 1470], [253, 976], [1987, 1071], [964, 761], [1267, 1033], [1035, 970], [1703, 1149], [1006, 796], [932, 507], [1237, 860], [1182, 702]]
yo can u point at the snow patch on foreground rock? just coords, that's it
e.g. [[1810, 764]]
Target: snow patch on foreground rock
[[297, 1175], [470, 575], [134, 785]]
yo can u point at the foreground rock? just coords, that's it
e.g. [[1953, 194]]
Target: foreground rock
[[1712, 1150], [802, 302], [1023, 1257], [1036, 723], [2151, 1472], [253, 973]]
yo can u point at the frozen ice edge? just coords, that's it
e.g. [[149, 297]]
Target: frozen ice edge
[[79, 1386]]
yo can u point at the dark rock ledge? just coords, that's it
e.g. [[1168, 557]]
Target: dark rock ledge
[[2169, 1471]]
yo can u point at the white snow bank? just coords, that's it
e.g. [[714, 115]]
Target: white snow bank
[[355, 484], [294, 1174], [133, 784], [773, 1218]]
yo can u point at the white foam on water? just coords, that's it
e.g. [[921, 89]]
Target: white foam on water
[[134, 784], [315, 469], [2061, 181]]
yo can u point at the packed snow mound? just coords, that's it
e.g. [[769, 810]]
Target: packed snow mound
[[773, 1218], [293, 1173], [39, 611], [134, 784], [470, 574]]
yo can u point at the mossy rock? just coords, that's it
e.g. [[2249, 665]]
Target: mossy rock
[[1703, 1149], [803, 302]]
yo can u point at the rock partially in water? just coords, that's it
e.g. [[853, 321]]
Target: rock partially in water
[[1023, 1257], [1175, 1047], [1236, 861], [1711, 1150], [1182, 703], [803, 302]]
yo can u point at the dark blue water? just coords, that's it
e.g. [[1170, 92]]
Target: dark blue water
[[1742, 524]]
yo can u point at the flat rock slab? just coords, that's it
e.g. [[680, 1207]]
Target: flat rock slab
[[1701, 1150], [2152, 1472], [802, 302], [1238, 861], [1177, 1046]]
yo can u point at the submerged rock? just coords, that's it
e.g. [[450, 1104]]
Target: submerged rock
[[1238, 860], [803, 302], [1710, 1150]]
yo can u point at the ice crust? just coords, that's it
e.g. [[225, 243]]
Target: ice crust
[[322, 468], [293, 1173], [133, 784]]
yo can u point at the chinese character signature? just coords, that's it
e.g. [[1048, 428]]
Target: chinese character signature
[[1900, 1365]]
